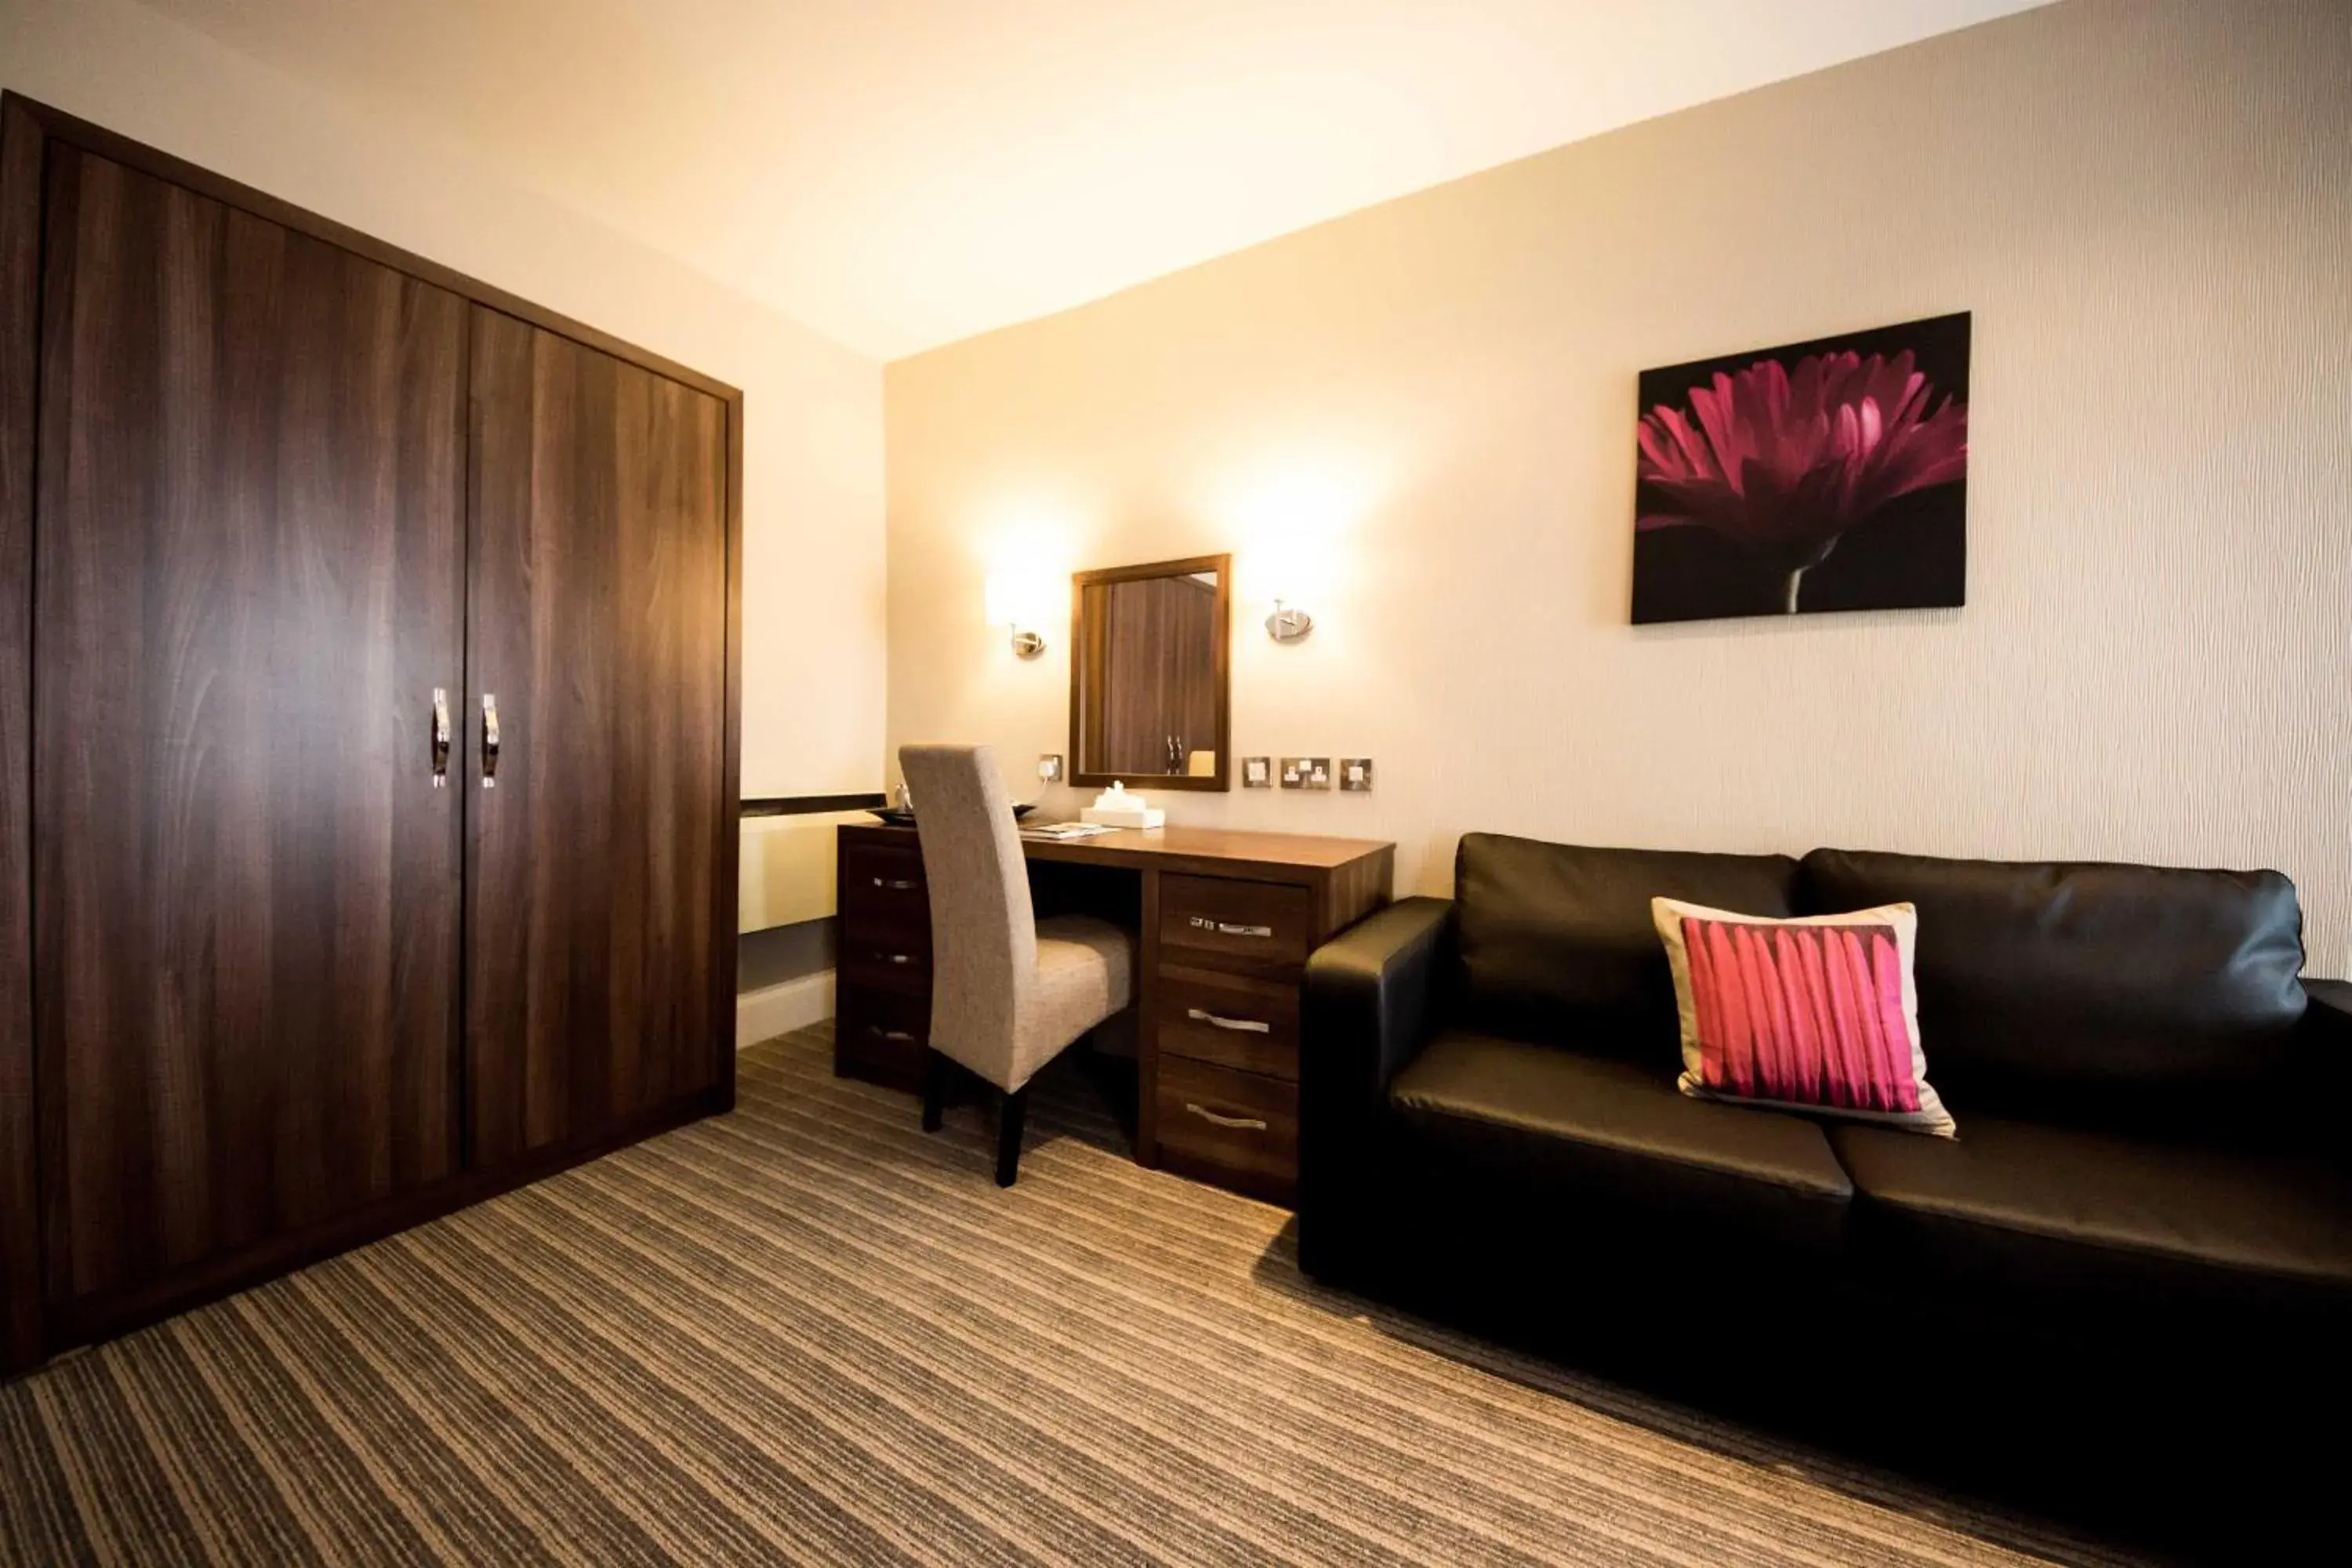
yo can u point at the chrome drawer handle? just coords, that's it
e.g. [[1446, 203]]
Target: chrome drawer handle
[[1202, 922], [1241, 1124], [1239, 1025], [897, 885], [879, 1032], [896, 957]]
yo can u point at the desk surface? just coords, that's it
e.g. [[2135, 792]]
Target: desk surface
[[1220, 851]]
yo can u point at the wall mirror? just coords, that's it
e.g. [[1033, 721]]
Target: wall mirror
[[1148, 692]]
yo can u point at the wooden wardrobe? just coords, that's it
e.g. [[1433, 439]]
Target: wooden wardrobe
[[368, 737]]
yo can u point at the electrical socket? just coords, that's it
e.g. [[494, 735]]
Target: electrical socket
[[1306, 772]]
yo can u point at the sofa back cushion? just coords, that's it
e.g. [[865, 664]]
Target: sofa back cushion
[[2087, 991], [1555, 943]]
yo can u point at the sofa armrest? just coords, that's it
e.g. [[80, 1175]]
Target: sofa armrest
[[1368, 995], [1369, 1001]]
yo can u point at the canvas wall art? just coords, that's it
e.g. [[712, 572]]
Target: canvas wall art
[[1829, 475]]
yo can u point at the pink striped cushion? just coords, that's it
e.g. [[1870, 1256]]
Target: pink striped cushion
[[1813, 1015]]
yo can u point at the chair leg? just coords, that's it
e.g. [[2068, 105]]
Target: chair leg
[[1008, 1135], [935, 1089]]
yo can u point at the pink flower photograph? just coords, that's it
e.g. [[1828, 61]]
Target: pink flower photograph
[[1829, 475]]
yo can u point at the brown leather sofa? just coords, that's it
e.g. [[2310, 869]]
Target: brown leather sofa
[[2120, 1298], [2150, 1100]]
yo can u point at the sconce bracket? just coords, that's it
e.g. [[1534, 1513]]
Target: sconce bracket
[[1028, 644]]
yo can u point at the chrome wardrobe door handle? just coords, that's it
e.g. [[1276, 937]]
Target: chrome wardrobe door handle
[[440, 737], [489, 740]]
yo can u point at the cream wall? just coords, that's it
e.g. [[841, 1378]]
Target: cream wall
[[813, 528], [2148, 207]]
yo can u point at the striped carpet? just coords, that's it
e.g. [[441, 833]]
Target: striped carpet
[[806, 1332]]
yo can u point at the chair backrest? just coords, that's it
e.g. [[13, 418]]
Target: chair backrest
[[984, 928]]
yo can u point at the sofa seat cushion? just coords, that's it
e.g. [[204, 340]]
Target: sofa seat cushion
[[1541, 1124], [2018, 1205]]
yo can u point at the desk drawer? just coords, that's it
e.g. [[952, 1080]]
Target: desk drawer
[[883, 888], [880, 1034], [884, 959], [1239, 1130], [1230, 1020], [1221, 922]]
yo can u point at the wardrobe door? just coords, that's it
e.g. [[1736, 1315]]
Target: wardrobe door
[[248, 583], [598, 608]]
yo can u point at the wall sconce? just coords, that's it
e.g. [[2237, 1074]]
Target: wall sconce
[[1287, 625], [1013, 604]]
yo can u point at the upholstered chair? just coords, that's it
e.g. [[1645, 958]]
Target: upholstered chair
[[1009, 992]]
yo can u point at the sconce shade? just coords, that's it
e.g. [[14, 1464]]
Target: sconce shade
[[1288, 625]]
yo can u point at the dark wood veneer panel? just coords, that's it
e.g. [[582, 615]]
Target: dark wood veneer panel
[[727, 827], [1228, 1005], [809, 805], [1091, 728], [332, 1156], [879, 1036], [600, 612], [121, 1311], [1238, 1130], [20, 262], [1153, 658], [249, 581], [59, 126], [1352, 892], [1226, 921]]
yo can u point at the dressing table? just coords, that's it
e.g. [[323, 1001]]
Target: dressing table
[[1225, 921]]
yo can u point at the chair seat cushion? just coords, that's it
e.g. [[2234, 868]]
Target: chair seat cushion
[[1086, 973], [2013, 1205], [1618, 1142]]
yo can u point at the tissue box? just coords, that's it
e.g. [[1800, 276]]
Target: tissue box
[[1124, 815]]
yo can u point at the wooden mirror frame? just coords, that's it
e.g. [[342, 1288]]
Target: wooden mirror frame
[[1086, 664]]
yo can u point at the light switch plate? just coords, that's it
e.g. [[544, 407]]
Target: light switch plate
[[1257, 773], [1356, 774], [1049, 769], [1306, 772]]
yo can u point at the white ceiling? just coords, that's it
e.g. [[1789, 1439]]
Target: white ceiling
[[898, 174]]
